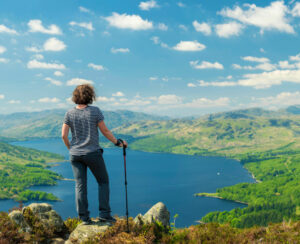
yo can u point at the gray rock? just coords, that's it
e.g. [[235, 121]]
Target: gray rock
[[57, 240], [18, 218], [158, 212], [38, 208], [49, 217], [139, 219], [83, 232]]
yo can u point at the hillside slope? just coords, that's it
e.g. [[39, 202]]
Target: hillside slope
[[21, 168], [48, 123]]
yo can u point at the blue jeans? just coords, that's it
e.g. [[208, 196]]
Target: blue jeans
[[94, 161]]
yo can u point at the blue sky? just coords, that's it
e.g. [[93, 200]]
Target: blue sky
[[174, 58]]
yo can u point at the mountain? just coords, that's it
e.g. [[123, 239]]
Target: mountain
[[48, 123], [226, 134]]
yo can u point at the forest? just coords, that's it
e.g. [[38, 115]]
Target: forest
[[273, 198]]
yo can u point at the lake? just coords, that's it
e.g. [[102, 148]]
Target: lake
[[152, 177]]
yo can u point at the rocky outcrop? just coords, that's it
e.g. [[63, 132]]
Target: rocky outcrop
[[83, 232], [18, 218], [158, 212], [43, 217], [49, 218]]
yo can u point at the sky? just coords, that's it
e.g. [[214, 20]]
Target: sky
[[175, 58]]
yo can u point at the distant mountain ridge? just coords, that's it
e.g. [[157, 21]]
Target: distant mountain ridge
[[255, 112], [48, 123]]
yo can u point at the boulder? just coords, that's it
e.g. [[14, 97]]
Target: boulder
[[49, 217], [38, 208], [18, 218], [83, 232], [158, 212]]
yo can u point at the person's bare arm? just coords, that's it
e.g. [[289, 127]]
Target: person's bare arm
[[64, 135], [107, 133]]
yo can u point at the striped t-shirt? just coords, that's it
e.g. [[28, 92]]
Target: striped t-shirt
[[84, 127]]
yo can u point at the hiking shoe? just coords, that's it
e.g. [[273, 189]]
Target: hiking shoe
[[109, 219], [87, 221]]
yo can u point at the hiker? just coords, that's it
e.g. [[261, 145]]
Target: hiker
[[85, 152]]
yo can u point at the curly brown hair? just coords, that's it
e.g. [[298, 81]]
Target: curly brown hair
[[84, 94]]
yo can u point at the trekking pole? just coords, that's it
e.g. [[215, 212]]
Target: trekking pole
[[124, 154]]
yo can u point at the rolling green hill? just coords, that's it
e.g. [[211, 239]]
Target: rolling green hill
[[223, 135], [48, 123]]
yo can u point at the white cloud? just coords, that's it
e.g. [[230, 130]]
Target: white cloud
[[2, 96], [120, 50], [191, 85], [105, 99], [169, 99], [33, 49], [148, 5], [84, 10], [5, 29], [280, 100], [4, 60], [295, 58], [157, 41], [262, 66], [49, 100], [183, 27], [272, 17], [118, 94], [125, 21], [36, 25], [78, 81], [247, 67], [2, 49], [207, 103], [38, 56], [54, 82], [206, 65], [286, 65], [35, 64], [55, 45], [296, 10], [265, 66], [229, 29], [86, 25], [14, 101], [189, 46], [256, 59], [153, 78], [58, 73], [268, 79], [162, 27], [203, 27], [96, 66], [216, 84], [180, 4]]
